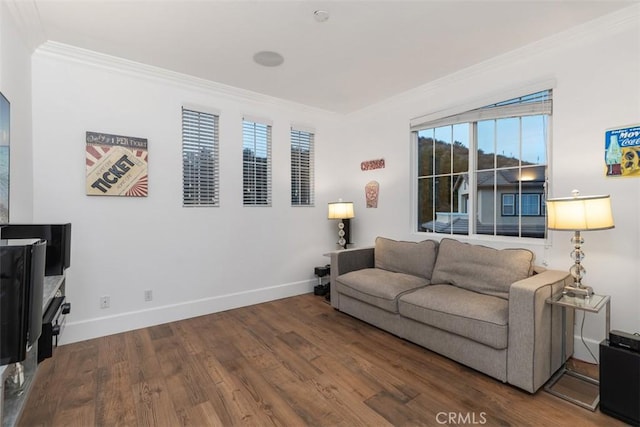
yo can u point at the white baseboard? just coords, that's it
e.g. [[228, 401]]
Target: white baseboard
[[108, 325]]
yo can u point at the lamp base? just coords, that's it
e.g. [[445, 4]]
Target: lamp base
[[582, 291]]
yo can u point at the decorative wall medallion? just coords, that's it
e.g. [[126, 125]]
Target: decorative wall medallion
[[116, 165], [372, 164], [371, 191]]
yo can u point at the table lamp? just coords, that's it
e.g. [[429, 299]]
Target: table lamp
[[579, 213], [344, 212]]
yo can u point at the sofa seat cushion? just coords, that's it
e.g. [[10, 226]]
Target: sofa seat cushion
[[378, 287], [482, 318], [481, 269]]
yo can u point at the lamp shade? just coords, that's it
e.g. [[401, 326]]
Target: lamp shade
[[340, 210], [580, 213]]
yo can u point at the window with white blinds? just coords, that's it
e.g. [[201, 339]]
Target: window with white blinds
[[200, 171], [301, 168], [256, 163]]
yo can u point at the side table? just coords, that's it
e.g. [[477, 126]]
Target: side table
[[592, 304]]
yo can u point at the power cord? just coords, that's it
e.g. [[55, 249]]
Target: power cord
[[582, 338]]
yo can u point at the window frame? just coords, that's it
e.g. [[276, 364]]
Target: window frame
[[205, 176], [255, 191], [298, 136], [512, 205], [516, 205]]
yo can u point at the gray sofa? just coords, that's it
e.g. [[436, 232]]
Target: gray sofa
[[480, 306]]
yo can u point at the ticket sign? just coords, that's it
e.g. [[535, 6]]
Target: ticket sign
[[116, 165], [622, 151]]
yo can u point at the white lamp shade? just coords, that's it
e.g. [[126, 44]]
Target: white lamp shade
[[580, 213], [341, 210]]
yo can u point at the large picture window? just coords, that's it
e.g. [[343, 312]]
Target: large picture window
[[256, 163], [484, 171]]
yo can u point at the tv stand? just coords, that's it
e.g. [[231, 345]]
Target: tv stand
[[12, 401]]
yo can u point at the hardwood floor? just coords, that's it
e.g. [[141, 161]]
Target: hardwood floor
[[292, 362]]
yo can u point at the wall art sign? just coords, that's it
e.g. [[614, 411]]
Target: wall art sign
[[116, 165], [372, 164], [622, 151]]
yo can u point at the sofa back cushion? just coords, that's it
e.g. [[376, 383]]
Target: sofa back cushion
[[481, 269], [416, 258]]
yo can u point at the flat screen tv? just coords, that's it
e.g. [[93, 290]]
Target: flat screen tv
[[58, 237], [21, 288], [4, 159]]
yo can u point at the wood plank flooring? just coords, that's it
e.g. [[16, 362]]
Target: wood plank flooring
[[291, 362]]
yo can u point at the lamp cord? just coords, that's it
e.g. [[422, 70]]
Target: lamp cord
[[582, 338]]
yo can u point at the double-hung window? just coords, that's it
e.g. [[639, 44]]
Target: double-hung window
[[256, 163], [483, 172], [302, 185], [200, 171]]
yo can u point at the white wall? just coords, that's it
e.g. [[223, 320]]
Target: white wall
[[15, 84], [196, 260], [202, 260], [595, 74]]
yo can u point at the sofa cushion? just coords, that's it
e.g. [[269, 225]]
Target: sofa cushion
[[378, 287], [479, 317], [417, 258], [479, 268]]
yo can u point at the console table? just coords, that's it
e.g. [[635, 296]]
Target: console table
[[12, 401]]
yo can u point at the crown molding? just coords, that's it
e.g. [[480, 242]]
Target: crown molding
[[103, 61], [613, 23]]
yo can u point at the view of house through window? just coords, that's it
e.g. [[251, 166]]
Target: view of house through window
[[484, 171]]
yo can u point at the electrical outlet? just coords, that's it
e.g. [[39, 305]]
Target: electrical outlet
[[148, 295], [105, 301]]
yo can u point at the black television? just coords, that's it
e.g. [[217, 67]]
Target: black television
[[58, 237], [21, 292]]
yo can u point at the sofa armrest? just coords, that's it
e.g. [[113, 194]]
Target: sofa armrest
[[535, 330], [344, 261]]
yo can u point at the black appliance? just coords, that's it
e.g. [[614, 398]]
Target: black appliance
[[58, 237], [22, 263], [625, 340], [53, 323], [620, 383]]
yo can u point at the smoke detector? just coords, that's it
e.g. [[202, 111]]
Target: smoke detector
[[321, 15]]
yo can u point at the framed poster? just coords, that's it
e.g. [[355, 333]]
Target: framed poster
[[622, 151], [4, 159], [116, 165]]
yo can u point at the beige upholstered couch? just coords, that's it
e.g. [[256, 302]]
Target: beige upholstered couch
[[483, 307]]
